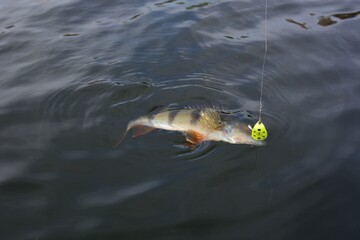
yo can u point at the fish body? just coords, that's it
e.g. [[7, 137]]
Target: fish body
[[198, 124]]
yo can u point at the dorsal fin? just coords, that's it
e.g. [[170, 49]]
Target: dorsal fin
[[210, 118]]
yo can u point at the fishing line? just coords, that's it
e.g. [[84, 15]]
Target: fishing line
[[259, 131], [264, 61]]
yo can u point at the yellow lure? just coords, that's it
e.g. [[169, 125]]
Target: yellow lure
[[259, 131]]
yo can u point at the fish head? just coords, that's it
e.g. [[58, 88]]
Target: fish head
[[238, 132]]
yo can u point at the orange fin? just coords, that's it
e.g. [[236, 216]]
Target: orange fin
[[194, 137], [141, 130]]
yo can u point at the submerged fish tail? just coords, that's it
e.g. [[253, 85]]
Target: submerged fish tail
[[139, 126]]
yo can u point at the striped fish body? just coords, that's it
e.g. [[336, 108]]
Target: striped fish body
[[206, 124], [199, 120]]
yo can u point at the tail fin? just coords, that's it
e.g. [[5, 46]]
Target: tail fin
[[141, 130], [138, 129], [123, 135], [120, 139]]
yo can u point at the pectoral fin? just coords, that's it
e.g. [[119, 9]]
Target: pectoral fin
[[139, 130], [194, 137]]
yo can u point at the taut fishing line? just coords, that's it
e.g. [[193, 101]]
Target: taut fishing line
[[259, 131]]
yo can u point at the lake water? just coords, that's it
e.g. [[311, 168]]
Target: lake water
[[75, 72]]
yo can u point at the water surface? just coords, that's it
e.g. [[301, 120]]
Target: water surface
[[74, 73]]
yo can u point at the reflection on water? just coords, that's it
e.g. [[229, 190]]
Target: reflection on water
[[75, 72], [344, 16], [327, 21], [204, 4], [302, 25], [162, 3], [115, 197]]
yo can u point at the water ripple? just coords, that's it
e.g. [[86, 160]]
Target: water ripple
[[115, 197]]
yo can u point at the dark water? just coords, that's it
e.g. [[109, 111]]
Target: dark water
[[73, 73]]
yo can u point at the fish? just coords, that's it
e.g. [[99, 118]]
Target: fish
[[199, 124]]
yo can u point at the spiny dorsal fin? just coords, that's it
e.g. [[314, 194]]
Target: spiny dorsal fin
[[210, 118]]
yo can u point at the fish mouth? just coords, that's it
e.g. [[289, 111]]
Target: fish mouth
[[258, 143], [255, 142], [247, 140]]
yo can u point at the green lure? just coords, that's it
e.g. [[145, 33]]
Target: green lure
[[259, 131]]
